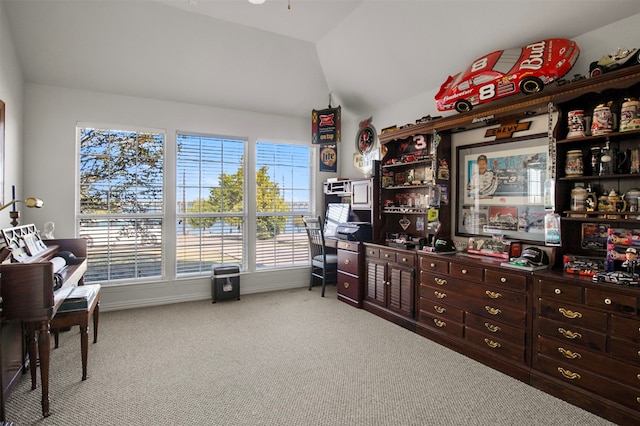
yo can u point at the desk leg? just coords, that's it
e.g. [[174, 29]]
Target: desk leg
[[96, 315], [84, 344], [44, 350]]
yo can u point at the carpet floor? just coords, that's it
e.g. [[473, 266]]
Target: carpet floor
[[280, 358]]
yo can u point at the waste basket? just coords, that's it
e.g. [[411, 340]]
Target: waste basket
[[225, 282]]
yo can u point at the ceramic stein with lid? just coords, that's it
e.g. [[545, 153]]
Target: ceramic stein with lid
[[603, 120], [574, 166], [629, 115]]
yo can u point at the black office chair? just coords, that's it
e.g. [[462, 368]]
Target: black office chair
[[324, 265]]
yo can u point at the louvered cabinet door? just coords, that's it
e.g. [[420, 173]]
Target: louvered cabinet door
[[376, 282], [401, 289]]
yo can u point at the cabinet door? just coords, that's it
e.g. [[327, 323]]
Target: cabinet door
[[361, 194], [401, 289], [376, 281]]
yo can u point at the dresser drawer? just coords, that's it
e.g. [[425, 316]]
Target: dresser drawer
[[614, 391], [435, 322], [625, 350], [625, 328], [552, 290], [428, 263], [442, 295], [505, 279], [496, 297], [372, 252], [498, 329], [577, 357], [441, 310], [349, 286], [495, 344], [496, 310], [348, 261], [611, 301], [575, 315], [436, 280], [406, 259], [573, 334], [388, 255], [348, 245], [473, 273]]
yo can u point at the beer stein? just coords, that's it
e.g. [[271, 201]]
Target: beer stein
[[575, 123], [574, 165], [596, 152], [608, 158], [603, 120], [579, 197], [634, 160], [616, 204], [631, 197], [629, 112], [623, 162]]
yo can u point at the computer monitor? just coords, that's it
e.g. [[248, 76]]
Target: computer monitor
[[336, 214]]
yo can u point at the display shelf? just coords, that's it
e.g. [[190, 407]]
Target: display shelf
[[408, 164], [590, 138]]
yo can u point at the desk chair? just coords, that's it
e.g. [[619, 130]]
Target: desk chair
[[324, 265]]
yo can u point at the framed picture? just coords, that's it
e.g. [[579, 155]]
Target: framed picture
[[500, 189]]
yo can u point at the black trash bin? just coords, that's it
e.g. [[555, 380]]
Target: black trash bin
[[225, 282]]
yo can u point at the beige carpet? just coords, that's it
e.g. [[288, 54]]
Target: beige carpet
[[281, 358]]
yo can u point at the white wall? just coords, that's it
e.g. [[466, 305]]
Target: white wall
[[51, 114], [12, 94], [593, 45]]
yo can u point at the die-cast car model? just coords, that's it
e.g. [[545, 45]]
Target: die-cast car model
[[619, 59], [617, 277], [507, 72]]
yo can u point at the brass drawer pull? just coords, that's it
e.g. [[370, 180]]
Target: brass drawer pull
[[493, 294], [346, 285], [557, 291], [638, 376], [404, 259], [492, 328], [432, 265], [440, 281], [503, 280], [492, 344], [569, 374], [638, 399], [387, 255], [569, 354], [439, 323], [464, 272], [493, 311], [347, 245], [569, 334], [439, 309], [607, 301], [440, 295], [346, 261], [570, 314]]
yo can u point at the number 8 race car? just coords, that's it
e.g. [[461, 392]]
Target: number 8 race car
[[507, 72]]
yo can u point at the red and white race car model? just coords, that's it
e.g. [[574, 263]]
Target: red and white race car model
[[507, 72]]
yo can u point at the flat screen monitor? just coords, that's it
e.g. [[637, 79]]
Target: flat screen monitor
[[336, 214]]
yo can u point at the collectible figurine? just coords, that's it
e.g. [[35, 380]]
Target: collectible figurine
[[631, 260]]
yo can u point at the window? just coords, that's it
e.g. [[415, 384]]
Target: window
[[283, 196], [210, 202], [121, 202]]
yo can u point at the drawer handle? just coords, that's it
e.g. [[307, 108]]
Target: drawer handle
[[557, 291], [387, 255], [439, 309], [638, 399], [569, 334], [638, 376], [492, 328], [440, 295], [569, 374], [346, 285], [503, 280], [404, 259], [493, 311], [569, 354], [439, 323], [464, 272], [607, 301], [570, 314], [346, 261], [433, 265], [492, 344], [440, 281], [347, 245], [493, 294]]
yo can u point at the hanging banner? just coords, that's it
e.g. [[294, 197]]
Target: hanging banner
[[328, 158], [325, 125]]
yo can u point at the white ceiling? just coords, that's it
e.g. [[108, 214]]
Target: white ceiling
[[268, 58]]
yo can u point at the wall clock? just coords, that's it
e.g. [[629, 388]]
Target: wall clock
[[366, 137]]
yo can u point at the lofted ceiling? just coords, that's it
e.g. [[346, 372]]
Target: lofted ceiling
[[275, 59]]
